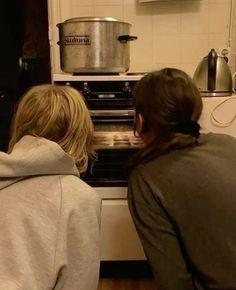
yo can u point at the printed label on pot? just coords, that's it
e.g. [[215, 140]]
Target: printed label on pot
[[77, 39]]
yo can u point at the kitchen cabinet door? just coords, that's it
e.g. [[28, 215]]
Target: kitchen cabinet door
[[119, 238]]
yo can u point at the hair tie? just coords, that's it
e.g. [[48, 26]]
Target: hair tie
[[189, 127]]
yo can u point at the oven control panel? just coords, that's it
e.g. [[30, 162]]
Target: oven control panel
[[106, 90], [105, 94]]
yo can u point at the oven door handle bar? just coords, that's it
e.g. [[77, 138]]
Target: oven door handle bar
[[111, 113]]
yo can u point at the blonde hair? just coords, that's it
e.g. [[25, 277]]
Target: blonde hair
[[57, 113]]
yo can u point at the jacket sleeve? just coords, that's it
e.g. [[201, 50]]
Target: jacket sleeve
[[158, 237], [78, 251]]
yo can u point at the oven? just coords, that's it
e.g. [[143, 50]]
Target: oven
[[109, 100], [112, 113]]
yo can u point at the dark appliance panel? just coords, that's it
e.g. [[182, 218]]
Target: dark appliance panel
[[105, 94], [111, 108], [110, 168]]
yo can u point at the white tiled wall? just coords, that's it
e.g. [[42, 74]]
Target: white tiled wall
[[176, 33]]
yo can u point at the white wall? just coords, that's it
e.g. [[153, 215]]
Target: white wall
[[176, 33], [233, 41]]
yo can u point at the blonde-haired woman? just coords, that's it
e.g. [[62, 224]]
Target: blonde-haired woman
[[49, 218]]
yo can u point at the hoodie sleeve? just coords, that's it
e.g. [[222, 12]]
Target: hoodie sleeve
[[78, 247]]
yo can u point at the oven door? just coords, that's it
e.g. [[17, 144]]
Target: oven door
[[109, 168], [114, 143]]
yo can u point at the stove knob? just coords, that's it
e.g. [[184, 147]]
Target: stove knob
[[127, 89], [86, 91]]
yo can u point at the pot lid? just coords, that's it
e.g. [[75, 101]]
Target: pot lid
[[94, 19]]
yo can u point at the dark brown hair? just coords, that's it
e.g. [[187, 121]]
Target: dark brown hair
[[167, 99]]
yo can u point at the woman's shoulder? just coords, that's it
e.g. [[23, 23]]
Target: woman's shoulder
[[74, 188], [217, 137], [221, 143], [209, 144]]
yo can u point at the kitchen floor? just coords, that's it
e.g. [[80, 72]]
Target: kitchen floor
[[127, 284]]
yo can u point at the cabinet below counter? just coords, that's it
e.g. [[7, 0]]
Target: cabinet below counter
[[119, 237]]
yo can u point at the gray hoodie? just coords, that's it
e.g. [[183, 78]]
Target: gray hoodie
[[49, 220]]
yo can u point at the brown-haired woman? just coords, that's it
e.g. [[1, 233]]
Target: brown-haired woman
[[49, 218], [182, 189]]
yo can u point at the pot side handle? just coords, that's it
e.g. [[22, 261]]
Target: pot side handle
[[126, 37]]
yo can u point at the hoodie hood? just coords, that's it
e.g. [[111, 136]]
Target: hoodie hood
[[33, 156]]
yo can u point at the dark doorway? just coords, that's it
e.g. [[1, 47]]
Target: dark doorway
[[36, 52], [24, 37]]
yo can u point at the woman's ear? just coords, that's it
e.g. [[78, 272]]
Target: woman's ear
[[138, 123]]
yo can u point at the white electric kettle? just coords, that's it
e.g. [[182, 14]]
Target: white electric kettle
[[213, 76]]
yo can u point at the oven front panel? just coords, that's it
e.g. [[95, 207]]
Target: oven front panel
[[111, 109]]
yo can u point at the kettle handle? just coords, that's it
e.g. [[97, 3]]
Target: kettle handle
[[212, 60]]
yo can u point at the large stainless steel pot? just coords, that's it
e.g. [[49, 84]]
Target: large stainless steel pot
[[94, 45]]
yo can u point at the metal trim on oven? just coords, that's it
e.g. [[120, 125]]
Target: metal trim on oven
[[111, 113]]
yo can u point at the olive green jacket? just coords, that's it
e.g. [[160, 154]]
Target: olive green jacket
[[184, 207]]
